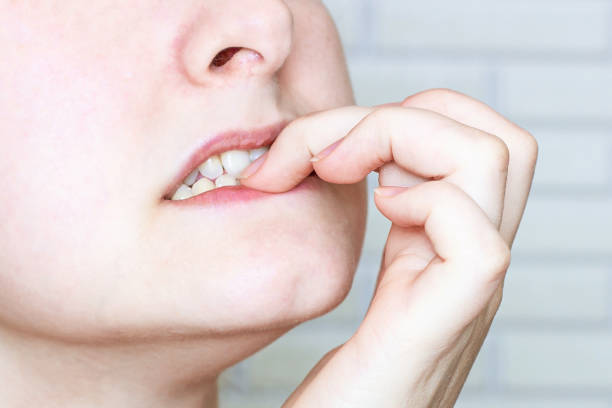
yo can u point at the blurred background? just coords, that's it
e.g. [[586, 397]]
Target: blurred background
[[546, 65]]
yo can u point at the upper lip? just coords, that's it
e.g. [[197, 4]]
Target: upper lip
[[228, 140]]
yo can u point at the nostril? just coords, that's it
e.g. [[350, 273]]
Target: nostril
[[224, 56]]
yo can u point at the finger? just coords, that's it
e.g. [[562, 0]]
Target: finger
[[403, 241], [425, 143], [292, 150], [456, 225], [472, 257], [391, 174], [522, 146], [406, 329]]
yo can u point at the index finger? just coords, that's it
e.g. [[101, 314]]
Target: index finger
[[292, 150], [423, 142]]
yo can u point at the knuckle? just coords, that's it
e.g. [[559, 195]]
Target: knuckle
[[529, 147], [444, 93], [497, 260], [377, 123], [495, 152], [376, 118], [443, 96], [489, 261], [381, 116]]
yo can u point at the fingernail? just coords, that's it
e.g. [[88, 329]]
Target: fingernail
[[253, 167], [325, 152], [388, 191]]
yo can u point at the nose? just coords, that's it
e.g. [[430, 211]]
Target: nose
[[233, 39]]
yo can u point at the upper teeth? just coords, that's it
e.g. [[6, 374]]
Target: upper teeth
[[217, 172], [235, 161], [211, 168]]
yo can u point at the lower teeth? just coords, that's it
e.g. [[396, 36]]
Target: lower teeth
[[201, 186], [204, 185], [226, 180]]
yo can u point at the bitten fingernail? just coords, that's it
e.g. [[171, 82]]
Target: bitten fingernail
[[326, 152], [388, 191]]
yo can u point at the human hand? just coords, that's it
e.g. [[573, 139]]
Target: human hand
[[465, 173]]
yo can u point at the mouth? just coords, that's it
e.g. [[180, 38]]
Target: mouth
[[219, 162]]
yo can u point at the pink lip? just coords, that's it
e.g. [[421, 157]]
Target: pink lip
[[236, 139], [240, 194]]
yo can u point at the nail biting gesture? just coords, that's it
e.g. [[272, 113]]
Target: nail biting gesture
[[455, 177]]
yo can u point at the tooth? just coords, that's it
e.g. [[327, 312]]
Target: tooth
[[225, 180], [257, 153], [235, 161], [191, 178], [182, 193], [211, 168], [202, 185]]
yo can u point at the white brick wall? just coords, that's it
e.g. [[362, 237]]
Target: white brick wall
[[562, 226], [547, 64], [393, 79], [564, 359], [576, 159], [539, 292], [501, 26], [511, 402], [557, 90]]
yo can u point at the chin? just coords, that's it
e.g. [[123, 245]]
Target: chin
[[304, 290], [297, 269], [302, 276]]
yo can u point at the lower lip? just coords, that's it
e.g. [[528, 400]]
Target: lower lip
[[239, 194]]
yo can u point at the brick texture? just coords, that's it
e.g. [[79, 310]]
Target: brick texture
[[502, 26]]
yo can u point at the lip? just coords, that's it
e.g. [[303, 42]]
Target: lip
[[221, 197], [229, 140]]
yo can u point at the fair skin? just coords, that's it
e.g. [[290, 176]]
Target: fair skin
[[113, 296]]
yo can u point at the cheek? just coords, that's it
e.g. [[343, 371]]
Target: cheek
[[61, 131], [61, 234]]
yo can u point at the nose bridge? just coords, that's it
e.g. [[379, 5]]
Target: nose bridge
[[258, 34]]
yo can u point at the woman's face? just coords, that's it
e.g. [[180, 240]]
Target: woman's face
[[102, 104]]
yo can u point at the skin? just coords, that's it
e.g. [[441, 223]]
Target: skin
[[126, 300], [455, 188]]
